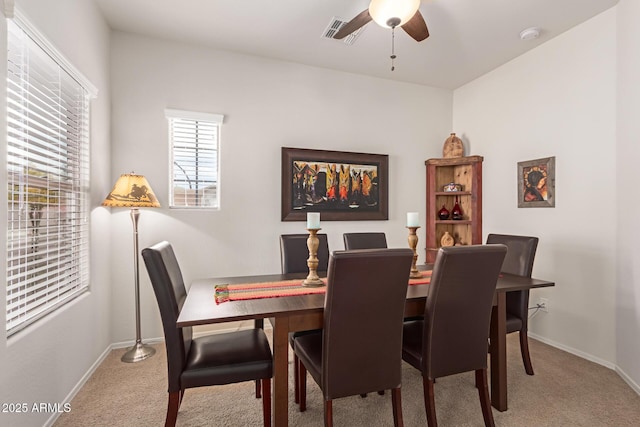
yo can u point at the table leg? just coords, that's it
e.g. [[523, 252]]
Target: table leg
[[280, 371], [498, 350]]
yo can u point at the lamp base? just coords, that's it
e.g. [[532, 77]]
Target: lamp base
[[138, 353]]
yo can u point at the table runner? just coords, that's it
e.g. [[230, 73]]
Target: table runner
[[284, 288]]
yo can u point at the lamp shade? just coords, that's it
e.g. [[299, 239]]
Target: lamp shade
[[131, 191], [383, 10]]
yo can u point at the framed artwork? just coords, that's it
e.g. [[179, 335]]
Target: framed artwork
[[342, 186], [537, 183]]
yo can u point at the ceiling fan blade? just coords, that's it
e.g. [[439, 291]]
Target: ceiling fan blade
[[416, 27], [362, 19]]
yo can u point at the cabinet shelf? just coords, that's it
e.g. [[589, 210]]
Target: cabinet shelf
[[466, 171], [453, 193]]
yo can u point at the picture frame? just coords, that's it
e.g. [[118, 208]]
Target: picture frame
[[342, 186], [537, 183]]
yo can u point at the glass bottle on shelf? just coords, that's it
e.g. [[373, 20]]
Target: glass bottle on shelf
[[456, 212], [443, 213]]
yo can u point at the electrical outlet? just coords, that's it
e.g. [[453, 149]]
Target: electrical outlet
[[543, 303]]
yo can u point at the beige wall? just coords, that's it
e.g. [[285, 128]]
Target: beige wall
[[557, 100], [267, 105], [628, 175], [49, 358]]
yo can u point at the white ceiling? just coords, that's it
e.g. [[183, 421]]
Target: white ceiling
[[468, 37]]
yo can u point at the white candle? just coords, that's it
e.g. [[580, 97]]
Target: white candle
[[313, 220], [412, 219]]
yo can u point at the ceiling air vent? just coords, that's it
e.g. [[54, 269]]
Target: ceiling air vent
[[334, 26]]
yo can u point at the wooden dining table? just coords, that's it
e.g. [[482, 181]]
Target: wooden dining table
[[304, 312]]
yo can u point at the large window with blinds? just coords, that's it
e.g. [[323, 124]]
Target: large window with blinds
[[48, 179], [195, 142]]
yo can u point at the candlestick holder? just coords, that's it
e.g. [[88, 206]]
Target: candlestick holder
[[413, 243], [313, 280]]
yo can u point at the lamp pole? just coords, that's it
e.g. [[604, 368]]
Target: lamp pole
[[139, 351]]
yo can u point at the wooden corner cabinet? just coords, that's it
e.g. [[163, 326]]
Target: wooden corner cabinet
[[467, 172]]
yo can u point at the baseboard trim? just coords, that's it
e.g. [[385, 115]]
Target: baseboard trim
[[124, 344], [573, 351], [54, 416], [626, 378], [622, 374]]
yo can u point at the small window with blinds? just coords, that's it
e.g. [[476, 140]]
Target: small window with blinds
[[47, 178], [195, 143]]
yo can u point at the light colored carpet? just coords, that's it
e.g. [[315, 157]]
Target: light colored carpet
[[565, 391]]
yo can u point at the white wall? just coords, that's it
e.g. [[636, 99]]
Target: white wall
[[557, 100], [267, 105], [628, 176], [45, 361]]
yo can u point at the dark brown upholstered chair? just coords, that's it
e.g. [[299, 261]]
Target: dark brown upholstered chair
[[294, 253], [521, 252], [293, 256], [364, 240], [453, 336], [359, 350], [204, 361]]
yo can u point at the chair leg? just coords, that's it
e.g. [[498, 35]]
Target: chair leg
[[296, 379], [302, 380], [328, 413], [429, 402], [524, 350], [485, 400], [396, 400], [258, 324], [172, 409], [266, 401]]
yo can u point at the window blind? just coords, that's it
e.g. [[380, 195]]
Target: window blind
[[194, 141], [48, 182]]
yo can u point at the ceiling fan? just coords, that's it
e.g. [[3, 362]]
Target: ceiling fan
[[390, 14]]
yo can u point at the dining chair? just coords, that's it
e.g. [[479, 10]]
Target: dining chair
[[368, 240], [208, 360], [294, 253], [452, 338], [521, 252], [359, 350], [293, 258]]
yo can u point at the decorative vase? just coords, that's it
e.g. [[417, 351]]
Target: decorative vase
[[456, 212], [447, 240], [443, 213], [453, 147]]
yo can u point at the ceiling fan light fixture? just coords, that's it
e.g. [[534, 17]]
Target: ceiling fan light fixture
[[392, 13]]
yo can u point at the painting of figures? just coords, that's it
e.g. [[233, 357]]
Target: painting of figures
[[340, 185]]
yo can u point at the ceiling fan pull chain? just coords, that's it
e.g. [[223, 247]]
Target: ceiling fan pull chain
[[393, 50]]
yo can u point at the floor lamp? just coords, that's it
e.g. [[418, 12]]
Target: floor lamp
[[133, 191]]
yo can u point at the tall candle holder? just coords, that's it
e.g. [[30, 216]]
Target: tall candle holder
[[413, 243], [313, 280]]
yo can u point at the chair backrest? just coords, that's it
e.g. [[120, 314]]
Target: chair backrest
[[521, 252], [458, 309], [168, 285], [364, 240], [363, 317], [294, 253]]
